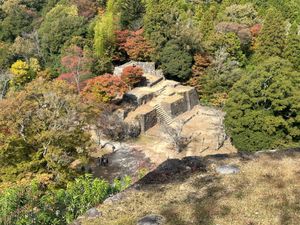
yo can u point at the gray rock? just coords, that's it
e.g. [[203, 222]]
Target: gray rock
[[228, 169], [93, 213], [151, 220], [76, 222], [114, 198]]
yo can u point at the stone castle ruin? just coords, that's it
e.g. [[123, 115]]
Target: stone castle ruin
[[158, 100]]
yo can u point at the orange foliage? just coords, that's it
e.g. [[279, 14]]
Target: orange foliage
[[132, 75], [201, 62], [135, 45], [104, 88], [255, 30]]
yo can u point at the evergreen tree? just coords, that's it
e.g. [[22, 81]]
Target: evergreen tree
[[207, 23], [131, 12], [263, 107], [271, 40], [176, 62], [160, 20], [292, 50]]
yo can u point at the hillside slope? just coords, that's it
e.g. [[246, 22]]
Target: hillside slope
[[190, 191]]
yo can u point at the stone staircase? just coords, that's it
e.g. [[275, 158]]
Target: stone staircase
[[163, 115]]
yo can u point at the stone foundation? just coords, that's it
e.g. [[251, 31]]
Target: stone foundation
[[147, 118], [139, 96], [157, 97], [190, 95], [174, 105]]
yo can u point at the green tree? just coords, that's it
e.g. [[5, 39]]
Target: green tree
[[240, 13], [224, 70], [160, 20], [41, 132], [17, 19], [206, 23], [263, 107], [176, 62], [292, 49], [271, 41], [104, 31], [131, 14], [5, 55], [60, 24]]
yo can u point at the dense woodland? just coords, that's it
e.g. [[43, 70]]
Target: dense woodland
[[56, 61]]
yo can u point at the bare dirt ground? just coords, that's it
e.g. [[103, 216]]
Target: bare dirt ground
[[153, 147], [207, 125], [265, 192]]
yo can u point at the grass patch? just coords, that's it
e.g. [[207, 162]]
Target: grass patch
[[266, 191]]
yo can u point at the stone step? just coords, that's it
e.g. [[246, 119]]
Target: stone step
[[163, 115]]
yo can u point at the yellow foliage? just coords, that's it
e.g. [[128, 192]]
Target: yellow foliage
[[34, 65], [19, 68], [24, 72]]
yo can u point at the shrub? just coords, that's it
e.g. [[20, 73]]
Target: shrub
[[121, 184], [32, 204], [84, 193], [132, 75], [104, 88]]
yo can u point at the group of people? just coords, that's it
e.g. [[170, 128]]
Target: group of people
[[102, 161]]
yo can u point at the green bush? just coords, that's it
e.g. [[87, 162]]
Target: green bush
[[34, 205]]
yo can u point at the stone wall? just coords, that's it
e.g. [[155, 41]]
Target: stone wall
[[174, 105], [148, 67], [139, 96], [147, 119]]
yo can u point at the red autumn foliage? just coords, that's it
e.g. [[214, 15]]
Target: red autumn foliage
[[201, 62], [255, 30], [134, 44], [76, 64], [104, 88], [132, 75]]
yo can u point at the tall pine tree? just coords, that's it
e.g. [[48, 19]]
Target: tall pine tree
[[292, 50], [271, 41]]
